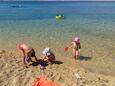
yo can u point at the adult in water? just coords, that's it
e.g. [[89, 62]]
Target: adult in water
[[28, 53]]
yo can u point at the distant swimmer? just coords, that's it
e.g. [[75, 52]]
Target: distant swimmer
[[76, 47], [49, 56], [28, 53]]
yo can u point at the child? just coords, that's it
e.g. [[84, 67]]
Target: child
[[28, 53], [49, 57], [76, 47]]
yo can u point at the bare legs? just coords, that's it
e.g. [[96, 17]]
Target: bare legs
[[76, 53]]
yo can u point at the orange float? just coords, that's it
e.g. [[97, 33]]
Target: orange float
[[43, 81]]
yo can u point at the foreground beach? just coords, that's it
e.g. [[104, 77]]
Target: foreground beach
[[13, 73]]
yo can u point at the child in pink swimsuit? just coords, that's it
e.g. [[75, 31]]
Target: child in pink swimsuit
[[76, 47]]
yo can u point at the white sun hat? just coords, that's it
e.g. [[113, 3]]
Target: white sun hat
[[46, 51]]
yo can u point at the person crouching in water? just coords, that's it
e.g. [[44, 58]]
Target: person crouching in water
[[28, 53], [76, 47], [49, 56]]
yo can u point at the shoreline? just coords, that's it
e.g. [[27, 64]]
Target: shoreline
[[97, 53]]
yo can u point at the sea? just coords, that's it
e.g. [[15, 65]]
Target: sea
[[34, 23]]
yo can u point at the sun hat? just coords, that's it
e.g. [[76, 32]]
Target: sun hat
[[47, 51]]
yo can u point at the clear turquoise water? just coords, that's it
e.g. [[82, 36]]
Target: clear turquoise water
[[34, 23]]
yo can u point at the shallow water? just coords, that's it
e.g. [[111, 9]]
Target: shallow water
[[34, 23]]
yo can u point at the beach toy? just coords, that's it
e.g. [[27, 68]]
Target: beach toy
[[42, 67], [66, 49], [60, 16], [77, 76], [43, 81]]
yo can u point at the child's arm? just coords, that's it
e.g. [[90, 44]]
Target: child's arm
[[45, 58], [67, 47]]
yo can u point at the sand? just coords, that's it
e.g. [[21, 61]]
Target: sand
[[13, 72]]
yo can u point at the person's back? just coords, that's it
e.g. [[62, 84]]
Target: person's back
[[25, 47]]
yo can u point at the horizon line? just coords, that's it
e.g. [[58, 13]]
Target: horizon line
[[65, 0]]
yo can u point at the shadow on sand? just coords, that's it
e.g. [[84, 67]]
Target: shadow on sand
[[84, 58], [58, 62], [40, 61]]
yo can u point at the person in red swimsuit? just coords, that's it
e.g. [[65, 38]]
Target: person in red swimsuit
[[28, 53]]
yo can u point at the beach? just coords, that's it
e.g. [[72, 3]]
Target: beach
[[13, 73], [93, 22]]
